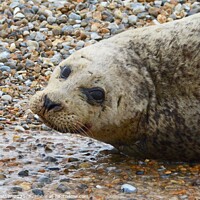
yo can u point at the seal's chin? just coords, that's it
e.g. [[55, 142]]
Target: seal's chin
[[80, 129]]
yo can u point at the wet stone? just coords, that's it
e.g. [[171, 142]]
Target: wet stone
[[5, 68], [38, 192], [2, 176], [62, 188], [139, 173], [75, 16], [64, 180], [44, 179], [127, 188], [6, 98], [54, 168], [16, 189], [23, 173], [50, 159]]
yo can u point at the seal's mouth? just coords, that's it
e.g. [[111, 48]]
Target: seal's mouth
[[76, 129]]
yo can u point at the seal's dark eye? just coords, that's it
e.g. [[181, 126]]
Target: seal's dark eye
[[65, 72], [94, 95]]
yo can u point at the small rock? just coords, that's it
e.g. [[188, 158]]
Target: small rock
[[127, 188], [132, 19], [51, 20], [50, 159], [137, 8], [2, 176], [5, 68], [65, 180], [40, 37], [44, 179], [75, 16], [4, 56], [19, 16], [38, 192], [62, 188], [16, 189], [54, 168], [23, 173], [6, 98], [19, 128]]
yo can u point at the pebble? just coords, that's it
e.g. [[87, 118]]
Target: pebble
[[19, 15], [132, 19], [95, 36], [137, 7], [127, 188], [75, 16], [2, 176], [40, 37], [4, 56], [44, 179], [62, 188], [19, 128], [5, 68], [38, 192], [16, 189], [23, 173], [6, 98]]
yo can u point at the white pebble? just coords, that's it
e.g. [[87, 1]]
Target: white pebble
[[6, 98]]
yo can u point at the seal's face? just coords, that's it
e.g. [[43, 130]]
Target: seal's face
[[89, 94]]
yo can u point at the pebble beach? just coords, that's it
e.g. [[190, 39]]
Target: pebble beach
[[39, 163]]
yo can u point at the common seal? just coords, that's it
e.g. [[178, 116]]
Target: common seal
[[138, 91]]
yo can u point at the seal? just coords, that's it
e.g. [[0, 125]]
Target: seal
[[138, 91]]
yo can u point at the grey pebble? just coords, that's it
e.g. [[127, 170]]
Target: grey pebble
[[38, 192], [62, 188], [137, 8], [75, 16], [127, 188], [56, 59], [29, 63], [23, 173], [142, 15], [4, 56], [132, 19], [95, 36], [50, 159], [6, 97], [5, 68], [51, 20], [44, 179], [40, 37], [16, 189]]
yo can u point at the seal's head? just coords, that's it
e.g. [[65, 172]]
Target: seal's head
[[95, 92]]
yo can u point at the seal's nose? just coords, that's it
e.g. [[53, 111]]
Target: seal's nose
[[50, 105]]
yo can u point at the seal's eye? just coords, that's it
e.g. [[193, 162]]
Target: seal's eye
[[94, 95], [65, 72]]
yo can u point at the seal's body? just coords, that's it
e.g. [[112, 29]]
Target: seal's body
[[139, 91]]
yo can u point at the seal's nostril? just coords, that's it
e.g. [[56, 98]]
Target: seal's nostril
[[49, 105]]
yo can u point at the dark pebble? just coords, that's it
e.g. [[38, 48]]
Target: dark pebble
[[139, 173], [23, 173], [50, 159], [38, 192], [65, 180], [44, 179], [73, 159], [54, 168], [16, 189], [62, 188]]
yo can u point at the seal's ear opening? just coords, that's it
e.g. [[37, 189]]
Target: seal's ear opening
[[95, 95]]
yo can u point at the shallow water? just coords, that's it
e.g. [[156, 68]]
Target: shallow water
[[86, 168]]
